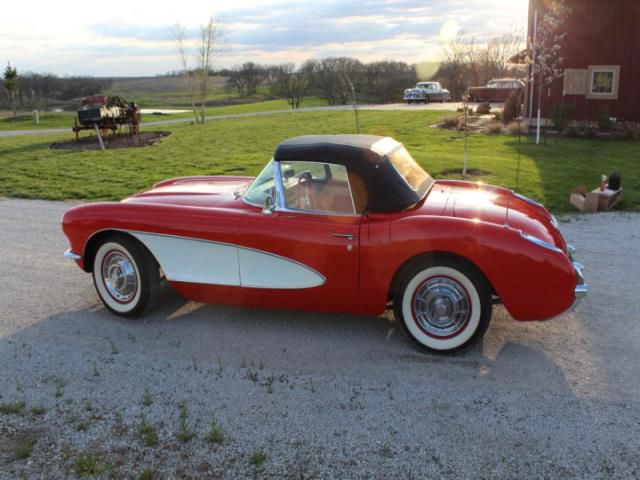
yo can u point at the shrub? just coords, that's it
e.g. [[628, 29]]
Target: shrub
[[450, 121], [512, 107], [561, 115], [590, 132], [603, 119], [493, 127], [515, 128], [483, 108], [571, 132]]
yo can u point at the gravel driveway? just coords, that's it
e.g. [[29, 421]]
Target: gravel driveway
[[296, 395]]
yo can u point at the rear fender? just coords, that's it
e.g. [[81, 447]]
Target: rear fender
[[534, 283]]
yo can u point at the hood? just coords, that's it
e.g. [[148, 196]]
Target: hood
[[212, 191], [500, 206]]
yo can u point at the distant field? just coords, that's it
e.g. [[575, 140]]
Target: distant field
[[65, 119], [29, 169], [162, 93], [150, 92]]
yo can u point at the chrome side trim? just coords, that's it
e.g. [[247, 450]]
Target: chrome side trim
[[72, 256], [581, 287], [539, 242], [527, 199]]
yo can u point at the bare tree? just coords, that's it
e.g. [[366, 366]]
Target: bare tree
[[197, 80], [468, 62], [386, 79], [246, 78], [291, 84]]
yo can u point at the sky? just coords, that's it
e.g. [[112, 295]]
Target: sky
[[133, 38]]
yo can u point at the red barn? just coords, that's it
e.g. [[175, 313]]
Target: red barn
[[601, 60]]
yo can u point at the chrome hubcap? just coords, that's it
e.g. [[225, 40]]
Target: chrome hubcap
[[441, 306], [119, 276]]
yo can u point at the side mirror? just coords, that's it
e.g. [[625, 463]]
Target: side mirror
[[269, 206]]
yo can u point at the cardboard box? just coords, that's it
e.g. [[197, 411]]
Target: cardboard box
[[595, 200], [584, 200]]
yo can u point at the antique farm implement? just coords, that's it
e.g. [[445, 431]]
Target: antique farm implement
[[102, 113]]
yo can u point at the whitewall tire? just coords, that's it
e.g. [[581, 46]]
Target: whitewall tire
[[125, 275], [443, 307]]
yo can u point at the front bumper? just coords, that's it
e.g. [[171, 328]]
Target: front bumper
[[72, 256], [581, 287]]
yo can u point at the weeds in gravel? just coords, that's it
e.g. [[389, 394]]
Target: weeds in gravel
[[389, 391], [59, 387], [147, 432], [89, 464], [220, 370], [147, 474], [15, 408], [257, 458], [252, 375], [269, 383], [147, 399], [216, 433], [24, 448], [114, 349], [38, 411], [83, 426], [184, 434]]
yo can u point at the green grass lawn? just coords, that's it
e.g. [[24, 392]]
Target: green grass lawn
[[28, 168], [65, 119]]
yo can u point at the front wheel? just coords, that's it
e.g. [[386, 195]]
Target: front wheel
[[443, 307], [126, 276]]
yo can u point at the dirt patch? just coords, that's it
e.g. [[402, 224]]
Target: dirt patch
[[145, 139], [471, 172]]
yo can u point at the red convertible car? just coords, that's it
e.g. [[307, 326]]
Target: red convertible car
[[346, 223]]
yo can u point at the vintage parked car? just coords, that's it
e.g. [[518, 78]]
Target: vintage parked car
[[345, 223], [497, 90], [427, 92]]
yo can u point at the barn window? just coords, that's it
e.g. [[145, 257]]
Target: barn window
[[603, 82]]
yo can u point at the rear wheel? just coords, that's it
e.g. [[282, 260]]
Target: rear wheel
[[443, 307], [125, 275]]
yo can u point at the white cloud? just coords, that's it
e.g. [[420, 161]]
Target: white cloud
[[132, 38]]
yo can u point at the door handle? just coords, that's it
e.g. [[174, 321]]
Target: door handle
[[348, 236]]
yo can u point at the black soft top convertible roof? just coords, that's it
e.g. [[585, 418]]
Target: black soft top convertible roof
[[376, 184]]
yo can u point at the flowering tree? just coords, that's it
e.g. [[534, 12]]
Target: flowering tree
[[545, 48]]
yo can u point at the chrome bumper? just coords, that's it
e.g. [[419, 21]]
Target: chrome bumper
[[72, 256], [581, 287]]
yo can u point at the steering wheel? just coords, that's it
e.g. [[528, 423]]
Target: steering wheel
[[305, 194]]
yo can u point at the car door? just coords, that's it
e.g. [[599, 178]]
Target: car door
[[309, 245]]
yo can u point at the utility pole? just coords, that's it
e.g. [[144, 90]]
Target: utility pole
[[533, 64], [355, 106], [466, 119]]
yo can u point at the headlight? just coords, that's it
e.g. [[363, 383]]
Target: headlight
[[540, 243]]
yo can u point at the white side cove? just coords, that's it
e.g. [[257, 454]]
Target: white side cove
[[212, 263]]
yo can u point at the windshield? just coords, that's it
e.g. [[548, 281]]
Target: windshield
[[410, 170], [262, 187]]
